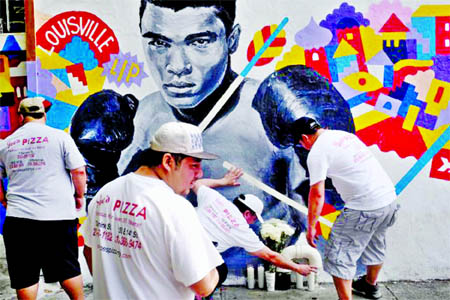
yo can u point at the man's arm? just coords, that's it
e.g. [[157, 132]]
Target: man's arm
[[315, 205], [280, 261], [87, 251], [205, 286], [79, 181]]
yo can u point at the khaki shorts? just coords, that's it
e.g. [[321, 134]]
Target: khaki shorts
[[358, 234]]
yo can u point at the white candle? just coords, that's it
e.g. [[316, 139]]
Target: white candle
[[250, 277], [260, 276]]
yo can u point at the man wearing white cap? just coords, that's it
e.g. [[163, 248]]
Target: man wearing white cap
[[46, 183], [227, 222], [143, 238]]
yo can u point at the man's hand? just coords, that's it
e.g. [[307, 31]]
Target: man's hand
[[311, 236], [305, 270], [79, 200], [231, 177]]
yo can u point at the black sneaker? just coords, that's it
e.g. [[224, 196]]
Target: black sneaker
[[365, 289]]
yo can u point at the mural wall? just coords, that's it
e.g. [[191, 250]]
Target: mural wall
[[376, 68]]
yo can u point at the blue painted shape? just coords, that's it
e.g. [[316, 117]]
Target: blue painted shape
[[388, 80], [422, 161], [11, 44], [60, 115], [344, 62], [5, 122], [329, 51], [78, 51], [2, 209], [62, 75], [387, 106], [426, 26], [410, 98], [264, 47], [357, 100], [396, 53]]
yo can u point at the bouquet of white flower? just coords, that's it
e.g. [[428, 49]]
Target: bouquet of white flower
[[275, 233]]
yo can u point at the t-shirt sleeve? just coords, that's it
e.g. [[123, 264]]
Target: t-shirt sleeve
[[192, 253], [317, 166], [72, 156]]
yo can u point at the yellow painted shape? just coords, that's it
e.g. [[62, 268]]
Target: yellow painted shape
[[5, 78], [432, 11], [371, 82], [434, 108], [411, 116], [53, 61], [270, 52], [95, 84], [349, 36], [344, 49], [294, 57], [324, 228], [372, 42], [370, 118], [430, 136], [412, 63]]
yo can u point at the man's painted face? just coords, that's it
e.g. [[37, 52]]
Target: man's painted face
[[187, 52], [185, 174]]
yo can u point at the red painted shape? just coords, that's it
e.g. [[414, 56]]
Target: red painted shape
[[439, 94], [326, 210], [356, 43], [277, 42], [320, 65], [394, 24], [59, 31], [390, 136], [399, 76], [441, 161], [362, 81], [442, 35], [77, 71]]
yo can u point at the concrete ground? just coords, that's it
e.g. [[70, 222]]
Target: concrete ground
[[423, 290]]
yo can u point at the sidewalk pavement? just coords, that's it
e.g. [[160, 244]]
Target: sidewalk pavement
[[400, 290]]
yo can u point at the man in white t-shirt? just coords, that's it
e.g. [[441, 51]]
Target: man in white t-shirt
[[227, 223], [46, 184], [368, 193], [143, 239]]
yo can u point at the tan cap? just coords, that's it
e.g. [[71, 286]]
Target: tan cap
[[180, 138], [34, 105]]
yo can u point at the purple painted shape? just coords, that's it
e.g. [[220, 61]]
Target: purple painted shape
[[112, 70], [413, 34], [443, 118], [313, 36], [425, 120], [345, 11], [42, 86], [411, 49], [380, 59], [5, 123], [441, 67]]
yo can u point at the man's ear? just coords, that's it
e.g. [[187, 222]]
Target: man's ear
[[233, 38], [167, 161]]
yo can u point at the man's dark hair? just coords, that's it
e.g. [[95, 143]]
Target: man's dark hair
[[240, 205], [33, 115], [226, 9]]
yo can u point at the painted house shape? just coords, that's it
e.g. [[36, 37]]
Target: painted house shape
[[382, 68], [346, 60], [353, 37], [433, 22], [393, 34], [317, 59]]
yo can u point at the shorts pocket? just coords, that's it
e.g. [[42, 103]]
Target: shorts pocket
[[367, 221], [337, 253], [394, 216]]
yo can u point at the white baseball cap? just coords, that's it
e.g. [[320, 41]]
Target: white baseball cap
[[254, 203], [180, 138]]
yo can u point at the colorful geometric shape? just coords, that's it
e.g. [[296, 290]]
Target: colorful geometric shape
[[363, 81], [77, 79], [394, 24], [11, 44], [275, 48], [61, 74], [438, 97], [294, 57], [388, 105], [440, 165], [344, 49], [411, 117], [5, 122], [313, 36], [124, 69], [78, 51]]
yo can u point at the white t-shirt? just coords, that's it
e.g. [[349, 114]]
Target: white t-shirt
[[37, 160], [147, 242], [224, 223], [356, 174]]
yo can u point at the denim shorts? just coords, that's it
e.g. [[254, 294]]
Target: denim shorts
[[358, 234]]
